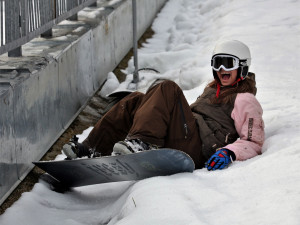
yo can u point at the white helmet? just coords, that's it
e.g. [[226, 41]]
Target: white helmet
[[237, 49]]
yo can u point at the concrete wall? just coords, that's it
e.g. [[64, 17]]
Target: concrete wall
[[42, 92]]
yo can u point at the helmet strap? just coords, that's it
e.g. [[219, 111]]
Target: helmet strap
[[218, 89], [236, 82]]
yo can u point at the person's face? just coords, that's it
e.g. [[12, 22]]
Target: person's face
[[227, 77]]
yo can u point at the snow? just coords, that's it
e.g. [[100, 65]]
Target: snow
[[261, 190]]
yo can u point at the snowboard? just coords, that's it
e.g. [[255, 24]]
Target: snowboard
[[136, 166]]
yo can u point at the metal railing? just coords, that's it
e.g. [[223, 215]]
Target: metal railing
[[23, 20]]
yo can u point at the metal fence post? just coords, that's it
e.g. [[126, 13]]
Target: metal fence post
[[135, 57], [24, 18], [50, 5], [71, 4], [13, 25], [74, 17]]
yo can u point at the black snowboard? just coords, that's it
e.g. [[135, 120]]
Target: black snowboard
[[137, 166]]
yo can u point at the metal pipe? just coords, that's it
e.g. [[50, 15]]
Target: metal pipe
[[135, 56], [2, 21]]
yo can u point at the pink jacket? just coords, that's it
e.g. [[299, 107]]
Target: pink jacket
[[247, 116]]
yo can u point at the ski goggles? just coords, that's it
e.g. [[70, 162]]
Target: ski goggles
[[227, 62]]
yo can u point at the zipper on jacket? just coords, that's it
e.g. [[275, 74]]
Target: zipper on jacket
[[186, 130], [185, 126]]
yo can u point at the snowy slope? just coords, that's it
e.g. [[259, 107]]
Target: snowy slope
[[262, 190]]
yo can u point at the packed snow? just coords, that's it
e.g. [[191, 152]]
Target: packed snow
[[261, 190]]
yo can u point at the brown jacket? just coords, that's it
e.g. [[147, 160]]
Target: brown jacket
[[216, 127]]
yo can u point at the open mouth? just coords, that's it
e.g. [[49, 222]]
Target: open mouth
[[225, 76]]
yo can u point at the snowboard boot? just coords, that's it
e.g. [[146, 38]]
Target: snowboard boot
[[131, 146], [74, 150]]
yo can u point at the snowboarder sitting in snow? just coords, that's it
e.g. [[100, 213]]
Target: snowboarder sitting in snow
[[224, 124]]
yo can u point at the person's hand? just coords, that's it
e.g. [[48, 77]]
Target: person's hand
[[219, 160]]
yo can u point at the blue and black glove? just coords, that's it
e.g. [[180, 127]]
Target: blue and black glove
[[220, 159]]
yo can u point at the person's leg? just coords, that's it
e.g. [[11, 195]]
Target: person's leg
[[151, 120], [164, 118], [114, 125], [185, 138], [158, 118]]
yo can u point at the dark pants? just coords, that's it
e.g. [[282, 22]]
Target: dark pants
[[157, 117]]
